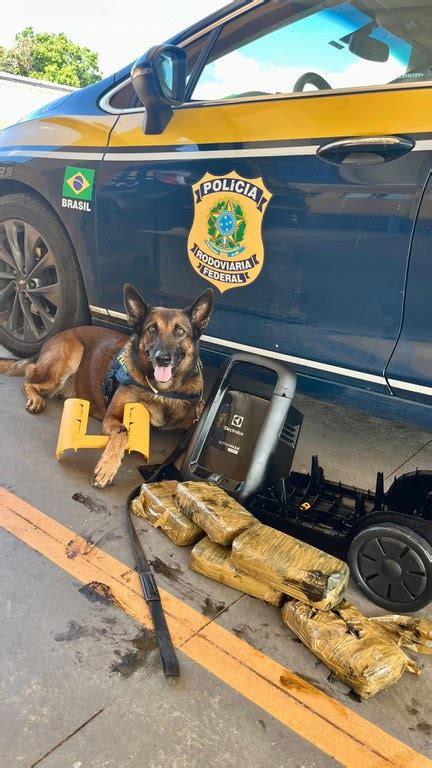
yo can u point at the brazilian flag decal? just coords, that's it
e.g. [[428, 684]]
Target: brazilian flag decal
[[78, 183]]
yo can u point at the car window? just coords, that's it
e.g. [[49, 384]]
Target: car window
[[122, 98], [344, 45]]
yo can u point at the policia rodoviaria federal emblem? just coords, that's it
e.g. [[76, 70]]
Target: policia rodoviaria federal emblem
[[225, 243]]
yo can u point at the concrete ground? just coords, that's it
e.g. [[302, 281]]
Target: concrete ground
[[80, 679]]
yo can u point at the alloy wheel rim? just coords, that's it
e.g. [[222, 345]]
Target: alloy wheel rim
[[29, 284], [391, 569]]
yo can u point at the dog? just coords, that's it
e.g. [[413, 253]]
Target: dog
[[158, 365]]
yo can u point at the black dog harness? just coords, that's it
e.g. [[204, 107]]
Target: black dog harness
[[118, 374]]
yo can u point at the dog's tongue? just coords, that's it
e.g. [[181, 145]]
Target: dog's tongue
[[163, 373]]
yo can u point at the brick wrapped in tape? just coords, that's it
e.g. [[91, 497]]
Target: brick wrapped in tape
[[410, 632], [156, 504], [214, 561], [220, 516], [297, 569], [349, 645]]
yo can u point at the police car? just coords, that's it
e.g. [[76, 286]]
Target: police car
[[278, 151]]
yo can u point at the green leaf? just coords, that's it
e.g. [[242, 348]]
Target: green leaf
[[240, 231], [218, 207], [211, 228]]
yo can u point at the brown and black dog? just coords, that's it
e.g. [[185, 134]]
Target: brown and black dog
[[161, 356]]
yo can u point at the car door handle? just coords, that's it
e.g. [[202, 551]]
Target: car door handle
[[369, 150]]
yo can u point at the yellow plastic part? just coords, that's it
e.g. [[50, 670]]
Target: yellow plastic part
[[73, 428]]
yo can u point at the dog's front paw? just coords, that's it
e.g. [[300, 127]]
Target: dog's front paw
[[96, 482], [103, 475], [35, 404], [109, 463]]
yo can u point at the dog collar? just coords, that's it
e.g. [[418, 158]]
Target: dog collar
[[119, 374]]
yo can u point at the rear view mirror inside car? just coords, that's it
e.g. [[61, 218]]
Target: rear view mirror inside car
[[369, 48]]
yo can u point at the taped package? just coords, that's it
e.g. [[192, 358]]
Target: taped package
[[291, 566], [220, 516], [409, 632], [214, 561], [349, 645], [156, 503]]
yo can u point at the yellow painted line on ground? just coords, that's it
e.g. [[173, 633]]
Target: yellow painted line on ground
[[324, 722]]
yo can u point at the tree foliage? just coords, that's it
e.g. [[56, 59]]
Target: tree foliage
[[49, 56]]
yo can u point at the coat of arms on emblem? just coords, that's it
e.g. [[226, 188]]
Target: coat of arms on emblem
[[225, 244]]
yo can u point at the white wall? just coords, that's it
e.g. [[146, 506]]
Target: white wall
[[21, 95]]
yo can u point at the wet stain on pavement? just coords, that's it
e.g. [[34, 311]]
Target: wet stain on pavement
[[211, 609], [111, 536], [8, 487], [97, 592], [75, 631], [78, 546], [111, 621], [244, 632], [312, 681], [171, 572], [93, 504], [354, 697], [141, 657], [414, 708], [423, 727], [288, 682]]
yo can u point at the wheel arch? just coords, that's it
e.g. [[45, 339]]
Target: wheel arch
[[87, 269], [419, 525], [71, 308]]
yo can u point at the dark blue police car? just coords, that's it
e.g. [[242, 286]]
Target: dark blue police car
[[279, 151]]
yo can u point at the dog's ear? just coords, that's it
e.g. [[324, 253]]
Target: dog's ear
[[201, 310], [136, 308]]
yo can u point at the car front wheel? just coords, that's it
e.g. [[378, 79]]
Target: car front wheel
[[41, 288]]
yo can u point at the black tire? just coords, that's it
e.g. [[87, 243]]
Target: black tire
[[392, 566], [41, 288]]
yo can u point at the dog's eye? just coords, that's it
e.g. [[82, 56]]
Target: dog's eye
[[152, 329], [180, 331]]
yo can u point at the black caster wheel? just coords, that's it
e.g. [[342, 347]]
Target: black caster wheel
[[392, 566]]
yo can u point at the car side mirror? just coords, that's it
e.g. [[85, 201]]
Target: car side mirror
[[368, 48], [159, 80]]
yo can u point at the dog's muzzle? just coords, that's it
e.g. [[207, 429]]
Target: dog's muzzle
[[163, 367]]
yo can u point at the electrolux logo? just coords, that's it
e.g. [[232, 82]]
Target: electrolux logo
[[236, 425], [237, 421]]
